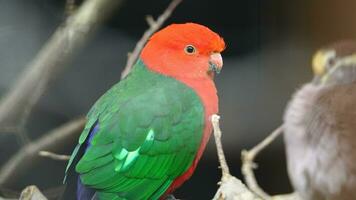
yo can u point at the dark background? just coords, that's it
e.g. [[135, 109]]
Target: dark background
[[269, 47]]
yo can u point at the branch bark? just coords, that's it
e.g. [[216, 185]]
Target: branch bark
[[28, 154], [32, 193], [29, 193], [217, 134], [230, 188], [154, 25], [51, 60], [54, 156], [248, 164]]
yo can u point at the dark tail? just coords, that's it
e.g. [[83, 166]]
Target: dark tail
[[84, 193], [75, 190]]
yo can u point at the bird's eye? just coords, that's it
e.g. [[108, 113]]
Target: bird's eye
[[189, 49], [330, 63]]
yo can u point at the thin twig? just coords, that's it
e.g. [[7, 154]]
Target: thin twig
[[54, 156], [154, 25], [217, 134], [248, 164], [17, 104], [231, 188], [27, 155]]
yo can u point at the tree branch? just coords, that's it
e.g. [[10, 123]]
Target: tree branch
[[154, 25], [248, 163], [29, 193], [28, 154], [32, 193], [54, 156], [230, 188], [217, 134], [51, 60]]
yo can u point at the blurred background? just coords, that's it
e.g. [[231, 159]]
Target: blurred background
[[269, 48]]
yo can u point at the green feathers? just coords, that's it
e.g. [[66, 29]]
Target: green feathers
[[150, 128]]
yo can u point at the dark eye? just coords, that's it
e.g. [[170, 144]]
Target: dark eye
[[189, 49], [330, 63]]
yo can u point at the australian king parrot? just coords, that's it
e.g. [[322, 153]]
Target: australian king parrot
[[144, 137]]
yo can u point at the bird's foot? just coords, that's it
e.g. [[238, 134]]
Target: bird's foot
[[171, 197]]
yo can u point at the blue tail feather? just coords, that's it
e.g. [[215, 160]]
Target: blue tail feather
[[84, 193]]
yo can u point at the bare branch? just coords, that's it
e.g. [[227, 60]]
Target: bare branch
[[154, 25], [217, 134], [32, 193], [52, 59], [233, 189], [54, 156], [150, 21], [248, 163], [28, 154], [230, 188]]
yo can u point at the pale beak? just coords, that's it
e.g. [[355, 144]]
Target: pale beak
[[215, 62]]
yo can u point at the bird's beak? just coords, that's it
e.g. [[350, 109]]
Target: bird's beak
[[319, 63], [215, 62]]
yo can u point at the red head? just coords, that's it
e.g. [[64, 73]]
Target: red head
[[184, 51]]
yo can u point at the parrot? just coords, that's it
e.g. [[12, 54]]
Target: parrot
[[320, 127], [145, 136]]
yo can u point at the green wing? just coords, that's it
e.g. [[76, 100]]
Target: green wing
[[150, 128]]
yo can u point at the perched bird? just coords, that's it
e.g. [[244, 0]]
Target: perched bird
[[320, 127], [144, 137]]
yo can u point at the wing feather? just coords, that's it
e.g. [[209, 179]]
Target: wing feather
[[148, 136]]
